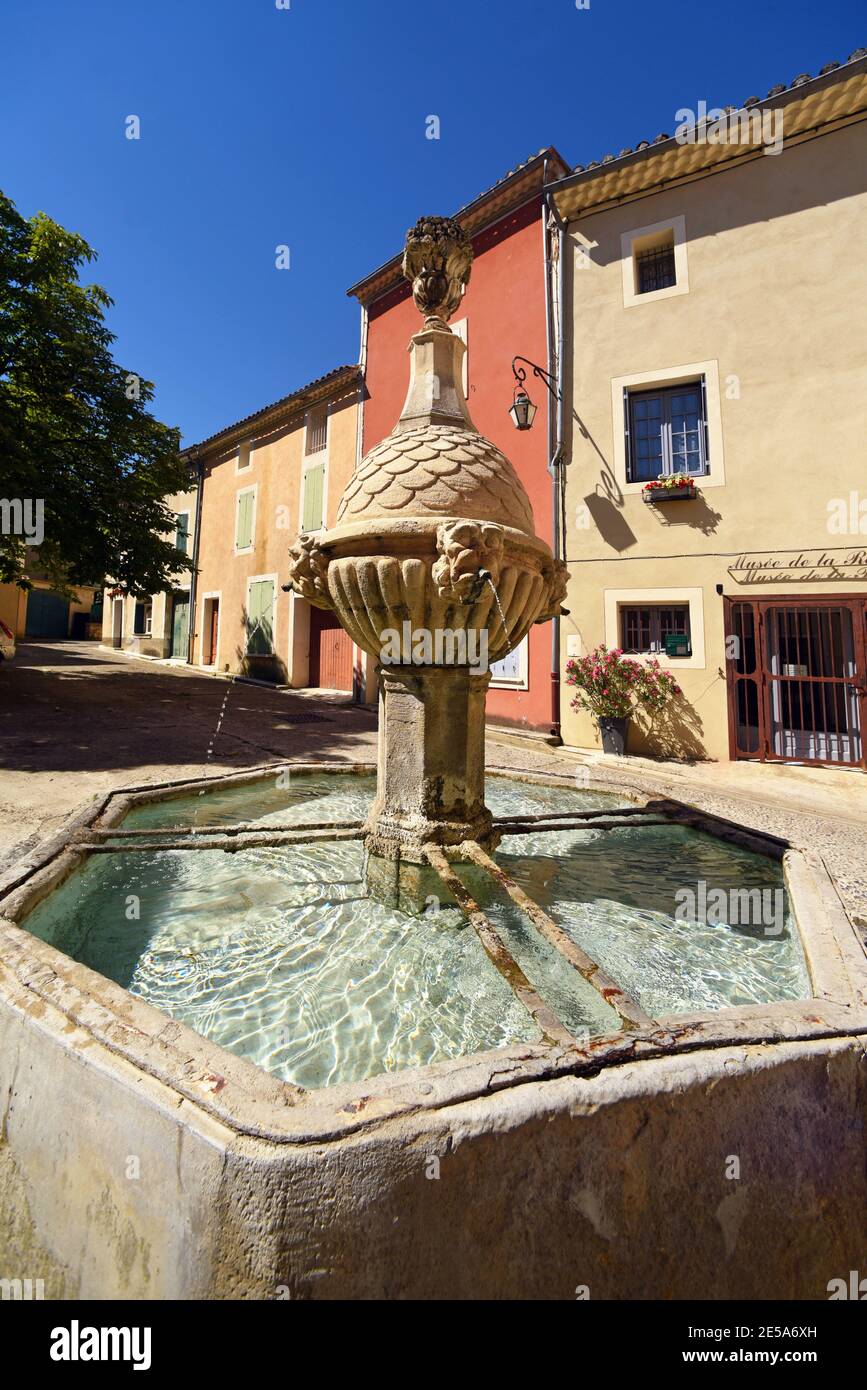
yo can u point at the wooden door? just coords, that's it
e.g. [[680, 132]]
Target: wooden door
[[330, 652], [211, 656]]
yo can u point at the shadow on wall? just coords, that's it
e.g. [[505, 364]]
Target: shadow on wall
[[695, 514], [605, 503], [674, 732]]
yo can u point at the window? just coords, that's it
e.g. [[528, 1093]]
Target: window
[[666, 431], [654, 262], [244, 459], [182, 535], [314, 486], [143, 622], [317, 431], [244, 520], [655, 268], [260, 617], [511, 670], [643, 629]]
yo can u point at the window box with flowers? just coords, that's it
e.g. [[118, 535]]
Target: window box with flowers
[[671, 487], [612, 687]]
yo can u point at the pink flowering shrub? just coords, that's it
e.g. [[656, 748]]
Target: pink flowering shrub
[[611, 685]]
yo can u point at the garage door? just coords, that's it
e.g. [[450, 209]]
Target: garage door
[[47, 614], [330, 652]]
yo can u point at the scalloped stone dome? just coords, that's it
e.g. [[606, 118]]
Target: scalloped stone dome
[[437, 471]]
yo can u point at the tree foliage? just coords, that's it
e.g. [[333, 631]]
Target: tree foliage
[[75, 430]]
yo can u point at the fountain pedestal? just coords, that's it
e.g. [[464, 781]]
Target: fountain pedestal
[[434, 538], [431, 766]]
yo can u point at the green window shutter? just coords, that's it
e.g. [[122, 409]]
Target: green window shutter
[[260, 618], [244, 530], [182, 538], [314, 479]]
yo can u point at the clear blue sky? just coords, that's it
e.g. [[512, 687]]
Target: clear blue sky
[[306, 127]]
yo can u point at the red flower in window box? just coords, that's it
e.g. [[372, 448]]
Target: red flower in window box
[[669, 488]]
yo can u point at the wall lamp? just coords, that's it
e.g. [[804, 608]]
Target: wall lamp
[[522, 410]]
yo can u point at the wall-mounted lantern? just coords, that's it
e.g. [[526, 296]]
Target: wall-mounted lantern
[[522, 409]]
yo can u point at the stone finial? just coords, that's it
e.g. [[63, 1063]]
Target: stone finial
[[437, 259]]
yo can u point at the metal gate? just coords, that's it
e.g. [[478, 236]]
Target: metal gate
[[797, 680]]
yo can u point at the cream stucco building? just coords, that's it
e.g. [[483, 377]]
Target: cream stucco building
[[263, 480], [715, 312]]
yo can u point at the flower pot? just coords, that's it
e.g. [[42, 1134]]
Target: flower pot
[[685, 492], [613, 733]]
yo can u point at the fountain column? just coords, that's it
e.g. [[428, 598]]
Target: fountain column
[[434, 541]]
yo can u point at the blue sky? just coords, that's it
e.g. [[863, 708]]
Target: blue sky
[[305, 127]]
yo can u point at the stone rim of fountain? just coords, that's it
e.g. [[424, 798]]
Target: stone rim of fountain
[[247, 1100]]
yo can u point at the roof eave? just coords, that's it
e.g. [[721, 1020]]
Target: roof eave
[[382, 279], [654, 150]]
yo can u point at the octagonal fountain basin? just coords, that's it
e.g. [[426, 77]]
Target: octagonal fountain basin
[[282, 954]]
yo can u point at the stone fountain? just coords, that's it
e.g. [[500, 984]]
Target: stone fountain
[[435, 569]]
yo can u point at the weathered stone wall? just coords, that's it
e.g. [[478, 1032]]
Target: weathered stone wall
[[617, 1182]]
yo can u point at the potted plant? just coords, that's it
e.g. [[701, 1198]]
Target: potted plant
[[668, 487], [612, 686]]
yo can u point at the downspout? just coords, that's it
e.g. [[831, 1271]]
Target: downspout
[[200, 468], [555, 446], [359, 658]]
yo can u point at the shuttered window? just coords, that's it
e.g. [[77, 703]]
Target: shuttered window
[[260, 618], [182, 535], [244, 523], [314, 480]]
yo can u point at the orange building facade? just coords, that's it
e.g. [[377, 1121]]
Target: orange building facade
[[503, 315]]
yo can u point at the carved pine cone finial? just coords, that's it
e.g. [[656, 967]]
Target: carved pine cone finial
[[308, 572], [438, 259]]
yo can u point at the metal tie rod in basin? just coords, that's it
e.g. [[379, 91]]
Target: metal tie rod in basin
[[517, 827], [532, 818], [245, 839], [552, 1028], [632, 1015]]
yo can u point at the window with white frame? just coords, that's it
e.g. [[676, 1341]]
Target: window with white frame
[[143, 619], [666, 431], [510, 672], [654, 261], [645, 628], [317, 430], [244, 459]]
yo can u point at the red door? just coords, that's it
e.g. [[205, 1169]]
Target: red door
[[330, 652]]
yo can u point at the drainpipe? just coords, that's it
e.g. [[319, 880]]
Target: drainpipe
[[194, 573], [555, 367], [360, 658]]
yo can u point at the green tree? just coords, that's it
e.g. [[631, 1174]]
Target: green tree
[[75, 430]]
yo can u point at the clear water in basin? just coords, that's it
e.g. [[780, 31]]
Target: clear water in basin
[[280, 955]]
